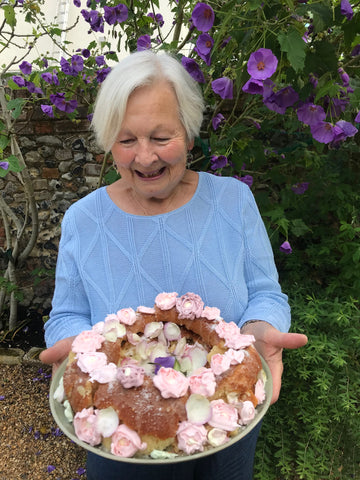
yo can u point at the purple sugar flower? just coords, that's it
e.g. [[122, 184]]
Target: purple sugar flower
[[4, 166], [253, 86], [300, 188], [262, 64], [48, 110], [223, 86], [193, 69], [247, 179], [217, 120], [20, 81], [346, 9], [167, 362], [311, 114], [62, 104], [324, 132], [285, 248], [203, 17], [144, 43], [218, 161]]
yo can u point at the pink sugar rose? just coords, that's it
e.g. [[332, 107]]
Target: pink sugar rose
[[147, 310], [247, 412], [211, 313], [87, 362], [98, 327], [189, 306], [235, 356], [125, 442], [191, 438], [105, 374], [127, 316], [224, 416], [230, 332], [87, 341], [202, 382], [220, 363], [171, 383], [85, 426], [130, 375], [260, 391], [166, 301]]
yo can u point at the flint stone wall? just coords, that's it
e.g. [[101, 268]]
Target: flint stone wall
[[64, 163]]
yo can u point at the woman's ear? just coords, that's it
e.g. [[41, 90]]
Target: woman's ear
[[190, 145]]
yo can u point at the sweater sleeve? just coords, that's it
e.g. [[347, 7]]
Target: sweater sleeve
[[266, 300], [70, 312]]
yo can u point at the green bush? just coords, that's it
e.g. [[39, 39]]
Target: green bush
[[313, 431]]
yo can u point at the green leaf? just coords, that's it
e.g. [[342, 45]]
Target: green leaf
[[14, 164], [4, 142], [293, 44], [9, 13], [298, 227], [16, 106]]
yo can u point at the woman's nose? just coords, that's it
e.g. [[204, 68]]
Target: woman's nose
[[145, 155]]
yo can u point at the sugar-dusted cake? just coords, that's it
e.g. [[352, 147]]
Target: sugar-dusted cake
[[172, 379]]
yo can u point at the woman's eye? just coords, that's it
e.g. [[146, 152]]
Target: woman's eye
[[160, 139], [126, 141]]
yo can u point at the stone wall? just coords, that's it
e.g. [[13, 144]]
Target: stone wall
[[64, 164]]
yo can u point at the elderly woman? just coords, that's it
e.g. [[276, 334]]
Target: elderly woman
[[163, 227]]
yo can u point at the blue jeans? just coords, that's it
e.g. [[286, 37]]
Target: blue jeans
[[233, 463]]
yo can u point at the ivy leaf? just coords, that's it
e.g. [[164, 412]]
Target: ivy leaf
[[293, 44]]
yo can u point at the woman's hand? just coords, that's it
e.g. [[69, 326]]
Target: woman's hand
[[56, 354], [270, 344]]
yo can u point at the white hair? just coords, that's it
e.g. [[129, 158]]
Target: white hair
[[137, 70]]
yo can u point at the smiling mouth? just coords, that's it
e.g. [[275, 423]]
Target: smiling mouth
[[153, 174]]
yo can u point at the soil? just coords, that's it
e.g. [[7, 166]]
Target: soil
[[32, 446]]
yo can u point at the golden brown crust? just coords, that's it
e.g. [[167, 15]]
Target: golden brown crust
[[78, 388]]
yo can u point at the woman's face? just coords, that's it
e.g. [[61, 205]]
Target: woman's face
[[151, 147]]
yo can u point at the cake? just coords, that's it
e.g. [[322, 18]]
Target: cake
[[172, 379]]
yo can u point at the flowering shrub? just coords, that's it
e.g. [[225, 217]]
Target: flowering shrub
[[281, 83]]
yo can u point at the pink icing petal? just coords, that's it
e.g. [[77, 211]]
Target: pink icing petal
[[171, 383], [85, 426], [223, 416], [191, 438], [126, 316], [125, 442], [166, 301], [87, 341]]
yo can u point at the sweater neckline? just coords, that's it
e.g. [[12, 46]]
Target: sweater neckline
[[159, 215]]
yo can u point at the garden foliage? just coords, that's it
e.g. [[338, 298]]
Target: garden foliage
[[282, 88]]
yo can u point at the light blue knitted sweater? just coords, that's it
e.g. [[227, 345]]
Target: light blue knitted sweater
[[215, 245]]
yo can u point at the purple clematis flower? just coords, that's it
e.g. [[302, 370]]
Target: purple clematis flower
[[285, 248], [324, 132], [50, 78], [95, 20], [281, 100], [346, 9], [357, 118], [223, 86], [262, 64], [344, 77], [32, 88], [347, 128], [116, 14], [218, 161], [144, 43], [193, 69], [300, 188], [356, 50], [77, 3], [217, 120], [25, 67], [20, 81], [4, 166], [158, 18], [203, 17], [311, 114], [253, 86], [62, 104], [204, 43], [102, 74], [77, 63], [100, 60], [247, 179], [48, 110]]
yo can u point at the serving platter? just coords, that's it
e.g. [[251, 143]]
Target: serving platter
[[58, 412]]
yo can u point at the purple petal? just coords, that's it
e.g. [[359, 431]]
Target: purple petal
[[193, 69], [285, 248], [223, 86], [262, 64], [203, 17]]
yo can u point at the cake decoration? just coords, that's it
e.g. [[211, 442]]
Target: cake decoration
[[163, 381]]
